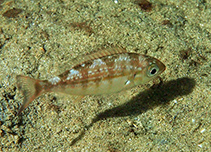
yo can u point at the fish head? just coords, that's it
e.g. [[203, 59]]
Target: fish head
[[149, 69]]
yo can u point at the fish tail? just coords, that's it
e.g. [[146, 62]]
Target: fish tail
[[30, 88]]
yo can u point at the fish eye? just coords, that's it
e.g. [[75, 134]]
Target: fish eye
[[153, 70]]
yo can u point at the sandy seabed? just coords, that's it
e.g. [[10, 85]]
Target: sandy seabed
[[40, 39]]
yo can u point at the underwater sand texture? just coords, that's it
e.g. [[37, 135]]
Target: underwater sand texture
[[40, 39]]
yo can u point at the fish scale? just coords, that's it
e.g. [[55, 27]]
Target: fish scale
[[108, 71]]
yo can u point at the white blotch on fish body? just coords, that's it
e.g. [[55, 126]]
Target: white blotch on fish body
[[101, 69], [123, 57], [130, 67], [54, 80], [91, 72], [139, 69], [97, 62], [73, 73], [127, 82], [117, 67]]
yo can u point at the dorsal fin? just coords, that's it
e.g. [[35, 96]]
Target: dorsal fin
[[101, 53], [97, 54], [94, 55]]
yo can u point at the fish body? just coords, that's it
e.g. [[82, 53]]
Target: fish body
[[109, 71]]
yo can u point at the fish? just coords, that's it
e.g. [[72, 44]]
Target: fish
[[107, 71]]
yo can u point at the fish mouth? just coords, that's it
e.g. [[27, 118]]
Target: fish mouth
[[161, 66]]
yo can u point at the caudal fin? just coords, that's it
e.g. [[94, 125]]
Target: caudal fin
[[30, 88]]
